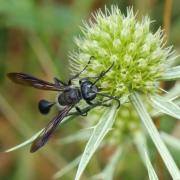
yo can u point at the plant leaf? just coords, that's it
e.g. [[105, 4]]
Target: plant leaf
[[81, 135], [173, 92], [101, 129], [30, 140], [155, 136], [151, 171], [140, 142], [170, 140], [171, 73], [109, 170], [166, 106], [67, 168]]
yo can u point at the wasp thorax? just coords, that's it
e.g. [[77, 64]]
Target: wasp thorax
[[70, 96]]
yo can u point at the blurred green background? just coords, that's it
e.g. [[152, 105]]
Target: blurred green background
[[36, 37]]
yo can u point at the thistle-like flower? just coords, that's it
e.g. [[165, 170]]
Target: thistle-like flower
[[140, 60], [139, 55]]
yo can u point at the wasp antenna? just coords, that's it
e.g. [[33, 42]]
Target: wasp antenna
[[102, 74]]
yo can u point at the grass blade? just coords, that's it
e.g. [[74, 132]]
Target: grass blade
[[81, 135], [30, 140], [171, 74], [155, 136], [166, 106], [109, 170], [173, 92], [140, 142], [151, 171], [67, 168], [100, 130], [170, 140]]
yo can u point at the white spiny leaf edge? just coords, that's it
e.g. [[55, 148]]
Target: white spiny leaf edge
[[140, 142], [101, 129], [109, 170], [67, 168], [166, 106], [155, 136], [171, 74], [30, 140], [170, 140], [81, 135]]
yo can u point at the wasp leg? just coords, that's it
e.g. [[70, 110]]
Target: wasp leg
[[59, 82], [80, 111], [116, 98], [88, 108], [99, 103], [78, 74], [101, 75]]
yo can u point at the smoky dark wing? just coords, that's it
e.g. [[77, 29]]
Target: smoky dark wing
[[49, 129], [28, 80]]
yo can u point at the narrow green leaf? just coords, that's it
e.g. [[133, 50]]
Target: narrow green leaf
[[140, 142], [108, 172], [173, 92], [166, 106], [155, 136], [30, 140], [170, 140], [100, 130], [81, 135], [172, 95], [67, 168], [151, 171], [171, 74]]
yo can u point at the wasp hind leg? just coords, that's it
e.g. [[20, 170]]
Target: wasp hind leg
[[80, 111], [59, 83], [84, 111]]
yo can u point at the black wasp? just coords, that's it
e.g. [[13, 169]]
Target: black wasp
[[68, 98]]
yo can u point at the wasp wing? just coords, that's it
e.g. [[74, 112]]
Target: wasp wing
[[28, 80], [49, 129]]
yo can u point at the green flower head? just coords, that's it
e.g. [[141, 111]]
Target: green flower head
[[140, 60], [138, 54]]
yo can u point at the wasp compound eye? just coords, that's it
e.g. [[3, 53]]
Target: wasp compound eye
[[45, 106]]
